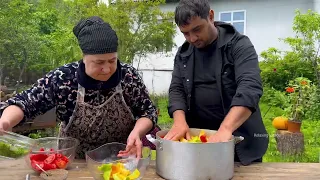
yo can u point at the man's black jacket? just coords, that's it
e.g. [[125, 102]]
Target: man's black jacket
[[239, 82]]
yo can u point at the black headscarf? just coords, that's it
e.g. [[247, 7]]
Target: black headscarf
[[96, 37]]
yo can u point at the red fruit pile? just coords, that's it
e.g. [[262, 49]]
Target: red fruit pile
[[48, 161]]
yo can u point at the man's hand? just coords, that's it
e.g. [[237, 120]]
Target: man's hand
[[234, 119], [134, 146], [178, 130], [222, 135]]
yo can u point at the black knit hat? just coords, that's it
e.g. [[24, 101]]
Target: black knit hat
[[96, 36]]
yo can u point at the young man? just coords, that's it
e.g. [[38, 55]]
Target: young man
[[216, 83]]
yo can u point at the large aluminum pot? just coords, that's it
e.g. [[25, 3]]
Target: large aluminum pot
[[194, 161]]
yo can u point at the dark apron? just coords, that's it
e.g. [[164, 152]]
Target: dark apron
[[94, 126]]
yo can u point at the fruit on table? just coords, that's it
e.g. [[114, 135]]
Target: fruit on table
[[117, 171], [48, 161], [11, 151], [280, 123]]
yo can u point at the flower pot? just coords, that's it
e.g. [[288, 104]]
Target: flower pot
[[294, 126]]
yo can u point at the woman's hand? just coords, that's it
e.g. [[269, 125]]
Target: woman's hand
[[4, 125], [11, 116], [134, 146]]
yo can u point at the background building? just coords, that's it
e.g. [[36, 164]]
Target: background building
[[264, 22]]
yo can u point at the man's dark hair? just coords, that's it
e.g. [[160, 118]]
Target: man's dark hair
[[187, 9]]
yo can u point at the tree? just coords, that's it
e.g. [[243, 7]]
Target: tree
[[281, 66], [20, 43], [141, 26], [36, 35]]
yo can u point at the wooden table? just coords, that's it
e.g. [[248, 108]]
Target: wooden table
[[17, 170]]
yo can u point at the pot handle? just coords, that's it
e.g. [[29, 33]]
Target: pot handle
[[154, 141], [238, 139]]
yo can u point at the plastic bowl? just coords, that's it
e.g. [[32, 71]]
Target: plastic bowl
[[52, 153], [14, 146], [107, 155]]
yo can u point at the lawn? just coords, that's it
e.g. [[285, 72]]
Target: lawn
[[310, 129]]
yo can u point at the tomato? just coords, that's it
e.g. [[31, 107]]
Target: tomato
[[35, 167], [48, 161], [49, 166], [38, 157], [64, 158], [50, 158], [61, 164], [54, 166]]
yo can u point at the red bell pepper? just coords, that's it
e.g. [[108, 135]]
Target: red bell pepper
[[203, 138]]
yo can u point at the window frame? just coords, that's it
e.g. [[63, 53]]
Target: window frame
[[235, 21]]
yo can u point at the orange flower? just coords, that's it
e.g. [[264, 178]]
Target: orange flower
[[303, 82], [290, 89]]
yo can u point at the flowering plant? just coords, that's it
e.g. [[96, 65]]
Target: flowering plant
[[300, 93]]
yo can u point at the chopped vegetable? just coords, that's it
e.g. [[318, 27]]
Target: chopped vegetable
[[118, 172], [48, 161], [50, 158], [105, 167], [11, 151], [202, 138], [135, 174], [60, 163]]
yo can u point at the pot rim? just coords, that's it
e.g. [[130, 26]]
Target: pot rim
[[232, 140]]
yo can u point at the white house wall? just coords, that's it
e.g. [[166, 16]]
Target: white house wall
[[266, 22], [317, 5]]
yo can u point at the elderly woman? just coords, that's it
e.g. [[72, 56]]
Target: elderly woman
[[98, 99]]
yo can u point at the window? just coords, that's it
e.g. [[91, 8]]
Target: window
[[236, 18]]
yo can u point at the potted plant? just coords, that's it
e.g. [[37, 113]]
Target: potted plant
[[300, 92]]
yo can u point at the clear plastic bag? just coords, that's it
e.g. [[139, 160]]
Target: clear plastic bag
[[14, 146]]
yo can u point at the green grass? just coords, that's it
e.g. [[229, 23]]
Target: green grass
[[164, 121], [310, 129]]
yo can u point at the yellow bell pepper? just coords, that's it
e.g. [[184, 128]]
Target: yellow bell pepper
[[118, 172], [134, 175], [183, 140]]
